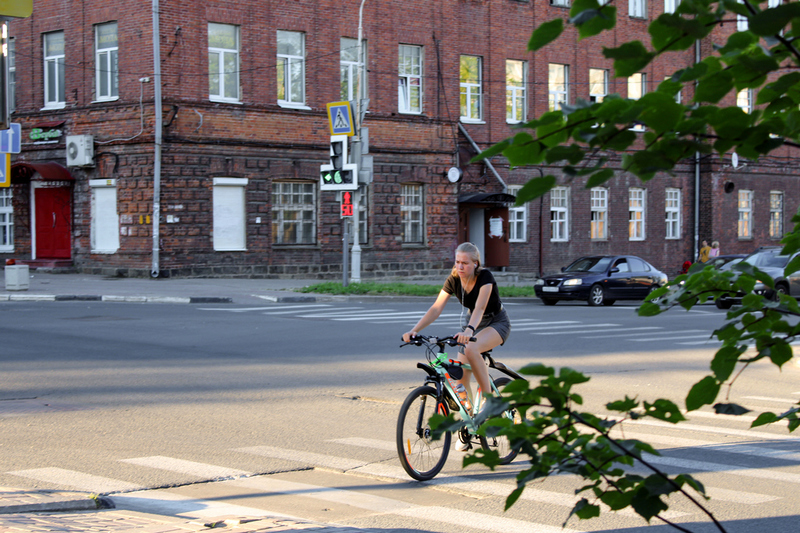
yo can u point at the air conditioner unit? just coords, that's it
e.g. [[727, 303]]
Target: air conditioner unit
[[80, 150]]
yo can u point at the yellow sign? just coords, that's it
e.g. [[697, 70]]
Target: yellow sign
[[16, 8], [5, 171], [340, 118]]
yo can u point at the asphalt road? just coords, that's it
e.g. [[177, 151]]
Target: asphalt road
[[113, 398]]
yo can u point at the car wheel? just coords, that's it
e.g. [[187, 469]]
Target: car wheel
[[654, 300], [608, 302], [780, 288], [549, 301], [723, 304], [596, 295]]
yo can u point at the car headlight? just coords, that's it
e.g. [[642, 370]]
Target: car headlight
[[571, 282], [539, 282]]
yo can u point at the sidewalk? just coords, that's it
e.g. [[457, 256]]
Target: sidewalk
[[39, 511]]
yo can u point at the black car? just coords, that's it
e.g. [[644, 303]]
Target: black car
[[770, 261], [601, 280]]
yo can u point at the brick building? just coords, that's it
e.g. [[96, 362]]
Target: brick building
[[244, 129]]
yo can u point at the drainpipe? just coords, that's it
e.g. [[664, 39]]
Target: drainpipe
[[696, 176], [488, 163], [158, 126]]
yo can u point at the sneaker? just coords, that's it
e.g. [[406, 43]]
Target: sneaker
[[462, 446]]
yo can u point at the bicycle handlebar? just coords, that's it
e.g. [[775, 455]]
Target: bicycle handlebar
[[421, 340]]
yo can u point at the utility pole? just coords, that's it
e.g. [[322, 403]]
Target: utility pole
[[356, 143]]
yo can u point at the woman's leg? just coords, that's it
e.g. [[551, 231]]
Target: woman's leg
[[486, 339]]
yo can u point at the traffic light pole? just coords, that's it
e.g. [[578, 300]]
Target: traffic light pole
[[356, 145]]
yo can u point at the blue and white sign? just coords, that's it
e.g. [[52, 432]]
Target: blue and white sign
[[11, 139], [340, 118]]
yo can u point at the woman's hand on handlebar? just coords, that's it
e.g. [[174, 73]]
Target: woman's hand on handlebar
[[409, 335], [463, 337]]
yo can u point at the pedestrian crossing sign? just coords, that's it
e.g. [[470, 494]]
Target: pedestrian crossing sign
[[5, 170], [340, 118]]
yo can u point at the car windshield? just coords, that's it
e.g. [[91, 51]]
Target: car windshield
[[767, 259], [589, 264]]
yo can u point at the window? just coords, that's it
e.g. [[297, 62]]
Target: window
[[673, 213], [637, 8], [229, 214], [517, 218], [409, 85], [599, 221], [560, 3], [105, 62], [223, 62], [291, 68], [6, 221], [670, 6], [636, 204], [744, 99], [775, 214], [598, 84], [742, 22], [637, 87], [745, 214], [558, 83], [559, 214], [471, 83], [104, 234], [12, 76], [411, 207], [349, 65], [294, 212], [516, 74], [54, 70]]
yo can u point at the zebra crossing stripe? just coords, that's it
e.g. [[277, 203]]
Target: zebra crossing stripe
[[469, 519], [337, 463], [705, 466], [78, 480], [191, 468]]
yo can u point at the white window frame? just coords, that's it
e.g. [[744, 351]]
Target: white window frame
[[670, 6], [744, 100], [409, 78], [598, 89], [745, 208], [6, 219], [104, 232], [637, 204], [54, 61], [229, 214], [559, 3], [637, 9], [672, 208], [742, 22], [471, 98], [557, 92], [517, 218], [412, 213], [516, 91], [349, 67], [106, 64], [286, 63], [598, 225], [300, 199], [559, 214], [776, 214], [227, 81]]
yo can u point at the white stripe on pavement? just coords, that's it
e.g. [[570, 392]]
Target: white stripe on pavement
[[201, 470], [673, 338], [269, 308], [585, 326], [705, 466], [485, 522], [648, 331], [375, 444], [169, 504], [78, 480], [338, 463]]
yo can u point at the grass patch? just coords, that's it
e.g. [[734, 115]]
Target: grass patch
[[399, 289]]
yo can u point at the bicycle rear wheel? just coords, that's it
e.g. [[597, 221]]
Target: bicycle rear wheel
[[421, 456], [500, 443]]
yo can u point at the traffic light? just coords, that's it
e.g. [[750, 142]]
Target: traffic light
[[339, 175]]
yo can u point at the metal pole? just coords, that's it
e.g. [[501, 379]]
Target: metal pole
[[158, 126], [346, 244], [357, 150]]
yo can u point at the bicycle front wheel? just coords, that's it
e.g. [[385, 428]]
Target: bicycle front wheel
[[500, 443], [421, 456]]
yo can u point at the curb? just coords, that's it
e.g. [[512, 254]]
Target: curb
[[110, 298], [25, 501]]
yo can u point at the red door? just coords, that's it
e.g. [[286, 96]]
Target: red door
[[496, 249], [53, 215]]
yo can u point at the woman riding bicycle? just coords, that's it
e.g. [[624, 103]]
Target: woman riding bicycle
[[487, 322]]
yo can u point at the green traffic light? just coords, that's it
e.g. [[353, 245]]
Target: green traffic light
[[327, 178], [337, 177]]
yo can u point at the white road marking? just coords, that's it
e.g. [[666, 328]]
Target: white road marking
[[584, 326], [706, 466], [78, 480], [169, 504], [376, 444], [771, 399], [270, 308], [648, 331], [338, 463], [201, 470], [673, 338]]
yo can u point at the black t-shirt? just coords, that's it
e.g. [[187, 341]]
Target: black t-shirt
[[453, 286]]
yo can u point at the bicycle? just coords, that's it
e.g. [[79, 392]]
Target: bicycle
[[421, 456]]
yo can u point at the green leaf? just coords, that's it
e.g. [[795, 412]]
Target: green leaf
[[535, 188], [772, 21], [600, 177], [590, 18], [763, 419], [629, 58], [704, 392], [585, 510], [647, 506], [537, 369], [692, 482], [725, 360], [714, 87], [623, 406], [616, 500], [545, 34], [780, 353], [664, 410]]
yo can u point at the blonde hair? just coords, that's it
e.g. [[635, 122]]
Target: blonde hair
[[715, 244], [474, 254]]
